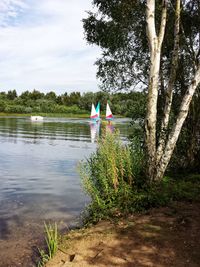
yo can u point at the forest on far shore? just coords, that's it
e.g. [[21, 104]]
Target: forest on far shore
[[124, 104]]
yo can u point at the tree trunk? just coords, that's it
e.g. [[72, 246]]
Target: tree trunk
[[171, 82], [155, 44]]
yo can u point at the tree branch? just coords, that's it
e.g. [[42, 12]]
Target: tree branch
[[163, 23]]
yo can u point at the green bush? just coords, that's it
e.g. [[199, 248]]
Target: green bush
[[28, 109], [65, 109], [108, 176], [2, 105], [14, 109]]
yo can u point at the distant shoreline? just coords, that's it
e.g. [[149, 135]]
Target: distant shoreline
[[55, 115], [60, 115]]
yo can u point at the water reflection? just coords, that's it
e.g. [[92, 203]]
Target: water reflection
[[94, 131], [38, 173], [41, 158]]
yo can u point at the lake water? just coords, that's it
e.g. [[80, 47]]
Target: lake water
[[39, 180]]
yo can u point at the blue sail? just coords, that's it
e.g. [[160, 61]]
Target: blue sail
[[98, 111]]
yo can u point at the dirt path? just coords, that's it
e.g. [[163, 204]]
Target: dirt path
[[164, 237]]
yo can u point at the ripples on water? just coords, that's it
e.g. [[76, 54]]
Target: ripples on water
[[39, 178], [38, 167]]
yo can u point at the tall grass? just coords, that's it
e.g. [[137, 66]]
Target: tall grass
[[51, 238], [108, 176]]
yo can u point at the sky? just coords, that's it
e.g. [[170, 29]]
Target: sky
[[42, 46]]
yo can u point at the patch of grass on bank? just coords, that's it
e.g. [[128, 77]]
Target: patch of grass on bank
[[51, 238], [116, 186]]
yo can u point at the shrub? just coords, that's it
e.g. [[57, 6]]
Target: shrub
[[108, 176], [28, 109], [15, 109], [2, 105]]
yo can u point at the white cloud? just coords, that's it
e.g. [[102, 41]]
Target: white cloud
[[42, 46]]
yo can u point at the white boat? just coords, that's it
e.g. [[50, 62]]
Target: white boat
[[109, 115], [37, 118]]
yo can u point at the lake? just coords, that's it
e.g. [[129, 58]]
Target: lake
[[39, 179]]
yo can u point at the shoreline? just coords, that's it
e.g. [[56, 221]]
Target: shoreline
[[53, 115], [165, 236]]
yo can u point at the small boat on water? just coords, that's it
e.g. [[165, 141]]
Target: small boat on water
[[95, 113], [37, 118], [109, 115]]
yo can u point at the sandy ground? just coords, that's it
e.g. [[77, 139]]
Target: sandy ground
[[163, 237]]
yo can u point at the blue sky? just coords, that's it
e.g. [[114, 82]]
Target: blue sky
[[42, 46]]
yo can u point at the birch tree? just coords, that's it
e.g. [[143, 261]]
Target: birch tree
[[159, 150]]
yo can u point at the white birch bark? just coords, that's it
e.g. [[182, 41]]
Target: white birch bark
[[169, 91], [155, 44]]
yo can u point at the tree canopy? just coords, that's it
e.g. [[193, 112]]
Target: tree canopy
[[119, 28]]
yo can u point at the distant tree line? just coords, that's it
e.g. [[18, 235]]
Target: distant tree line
[[130, 104]]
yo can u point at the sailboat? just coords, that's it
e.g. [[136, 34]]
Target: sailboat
[[94, 115], [109, 115]]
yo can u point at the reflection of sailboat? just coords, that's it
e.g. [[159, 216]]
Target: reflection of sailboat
[[94, 131], [109, 115]]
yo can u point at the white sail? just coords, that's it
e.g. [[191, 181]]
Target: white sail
[[108, 112], [93, 112]]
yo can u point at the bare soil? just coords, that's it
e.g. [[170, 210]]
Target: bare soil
[[18, 245], [163, 237]]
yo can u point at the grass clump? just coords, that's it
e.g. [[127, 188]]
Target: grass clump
[[108, 176], [51, 238]]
